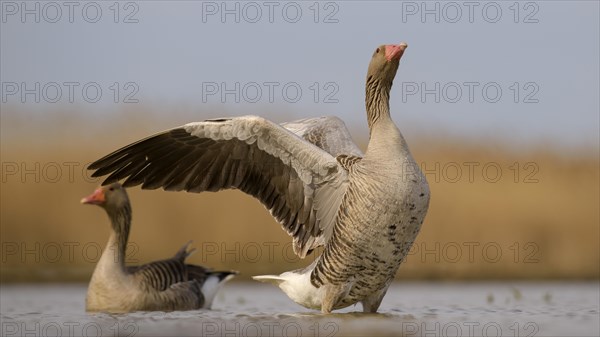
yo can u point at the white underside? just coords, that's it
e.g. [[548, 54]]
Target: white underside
[[297, 287]]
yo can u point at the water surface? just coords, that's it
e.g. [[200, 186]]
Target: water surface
[[254, 309]]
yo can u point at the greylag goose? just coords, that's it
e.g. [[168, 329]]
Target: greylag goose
[[365, 209], [165, 285]]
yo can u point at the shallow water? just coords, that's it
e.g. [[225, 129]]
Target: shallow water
[[254, 309]]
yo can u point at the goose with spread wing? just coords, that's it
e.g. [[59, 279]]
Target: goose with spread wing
[[365, 209], [165, 285]]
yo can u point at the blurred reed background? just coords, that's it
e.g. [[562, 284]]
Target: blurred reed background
[[496, 212]]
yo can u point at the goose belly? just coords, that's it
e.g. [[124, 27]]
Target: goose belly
[[369, 244], [380, 260]]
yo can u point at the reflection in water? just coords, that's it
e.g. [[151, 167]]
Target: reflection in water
[[253, 309]]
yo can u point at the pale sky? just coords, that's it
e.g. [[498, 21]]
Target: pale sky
[[546, 64]]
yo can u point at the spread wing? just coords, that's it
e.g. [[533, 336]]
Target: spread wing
[[300, 183], [328, 132]]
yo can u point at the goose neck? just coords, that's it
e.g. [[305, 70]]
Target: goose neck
[[377, 102], [117, 244]]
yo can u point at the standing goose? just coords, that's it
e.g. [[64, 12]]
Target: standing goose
[[158, 286], [365, 209]]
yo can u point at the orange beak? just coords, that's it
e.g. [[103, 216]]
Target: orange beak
[[394, 51], [96, 198]]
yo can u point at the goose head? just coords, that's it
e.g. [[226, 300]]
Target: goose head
[[384, 64], [110, 197], [114, 200]]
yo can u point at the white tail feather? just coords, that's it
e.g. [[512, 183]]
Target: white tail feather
[[211, 287], [273, 279]]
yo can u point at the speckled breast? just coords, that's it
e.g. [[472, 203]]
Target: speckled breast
[[369, 245]]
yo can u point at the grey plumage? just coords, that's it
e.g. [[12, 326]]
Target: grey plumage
[[164, 285], [366, 209]]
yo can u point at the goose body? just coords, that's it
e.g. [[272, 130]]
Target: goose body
[[365, 209], [366, 257], [165, 285]]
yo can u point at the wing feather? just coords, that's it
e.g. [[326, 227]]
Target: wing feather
[[300, 183], [328, 132]]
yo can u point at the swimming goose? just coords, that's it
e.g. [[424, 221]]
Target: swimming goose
[[365, 209], [165, 285]]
